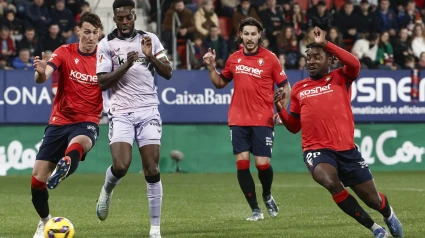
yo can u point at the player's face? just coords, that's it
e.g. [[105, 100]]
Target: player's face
[[89, 36], [124, 18], [250, 37], [317, 62]]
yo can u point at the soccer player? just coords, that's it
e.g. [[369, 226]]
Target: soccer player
[[255, 70], [127, 60], [73, 126], [320, 107]]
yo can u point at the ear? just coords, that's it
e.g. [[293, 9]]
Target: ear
[[134, 16], [114, 19]]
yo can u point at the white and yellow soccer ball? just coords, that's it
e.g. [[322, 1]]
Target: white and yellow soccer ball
[[59, 227]]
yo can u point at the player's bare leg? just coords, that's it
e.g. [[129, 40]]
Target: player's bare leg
[[150, 161], [121, 160], [327, 176], [246, 182], [370, 196], [40, 196], [265, 174], [69, 163]]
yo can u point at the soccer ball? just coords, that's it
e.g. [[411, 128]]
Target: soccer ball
[[59, 227]]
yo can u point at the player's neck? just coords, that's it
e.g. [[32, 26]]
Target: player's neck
[[251, 52], [84, 51]]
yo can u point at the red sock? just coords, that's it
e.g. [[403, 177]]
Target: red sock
[[75, 147]]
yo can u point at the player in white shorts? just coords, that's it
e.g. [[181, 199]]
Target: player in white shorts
[[126, 62]]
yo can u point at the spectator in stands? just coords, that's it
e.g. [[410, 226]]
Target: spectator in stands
[[53, 40], [266, 43], [385, 18], [186, 29], [204, 18], [302, 63], [321, 17], [421, 62], [85, 7], [335, 37], [216, 42], [288, 45], [3, 63], [418, 40], [385, 53], [74, 36], [243, 10], [408, 16], [39, 16], [373, 3], [228, 7], [74, 6], [297, 19], [64, 18], [282, 61], [23, 60], [14, 25], [273, 22], [7, 46], [30, 41], [402, 47], [409, 63], [5, 7], [366, 22], [347, 20], [307, 39], [366, 49], [200, 51]]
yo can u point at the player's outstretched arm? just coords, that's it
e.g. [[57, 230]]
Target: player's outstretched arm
[[42, 70], [107, 80], [215, 77], [350, 62], [291, 122]]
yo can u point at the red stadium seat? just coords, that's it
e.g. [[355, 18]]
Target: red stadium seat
[[225, 25]]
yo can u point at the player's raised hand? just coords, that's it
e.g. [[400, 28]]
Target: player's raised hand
[[131, 57], [280, 99], [319, 36], [147, 46], [40, 64], [209, 58]]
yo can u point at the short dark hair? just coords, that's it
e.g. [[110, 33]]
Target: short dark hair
[[317, 45], [249, 21], [91, 18], [123, 3]]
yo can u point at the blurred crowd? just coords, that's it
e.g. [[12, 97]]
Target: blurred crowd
[[29, 27], [383, 34]]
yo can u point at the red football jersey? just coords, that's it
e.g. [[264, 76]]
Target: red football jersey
[[79, 98], [254, 77], [324, 107]]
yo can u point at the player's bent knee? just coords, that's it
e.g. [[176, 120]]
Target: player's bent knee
[[242, 164], [37, 184], [84, 141], [332, 186], [262, 167], [151, 170]]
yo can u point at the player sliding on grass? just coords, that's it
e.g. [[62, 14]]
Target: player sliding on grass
[[127, 60], [254, 70], [320, 107], [73, 127]]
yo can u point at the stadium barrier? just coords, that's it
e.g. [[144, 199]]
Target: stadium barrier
[[207, 149], [190, 98]]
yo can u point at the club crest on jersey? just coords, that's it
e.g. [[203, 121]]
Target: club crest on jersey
[[100, 58], [260, 62]]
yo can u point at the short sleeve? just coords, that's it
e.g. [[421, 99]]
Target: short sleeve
[[295, 104], [104, 57], [226, 73], [278, 74], [57, 57], [158, 49]]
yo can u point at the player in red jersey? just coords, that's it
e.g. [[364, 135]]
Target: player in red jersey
[[321, 108], [255, 70], [73, 126]]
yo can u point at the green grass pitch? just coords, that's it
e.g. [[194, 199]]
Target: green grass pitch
[[208, 205]]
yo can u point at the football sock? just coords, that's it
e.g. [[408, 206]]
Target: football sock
[[385, 208], [154, 187], [246, 182], [75, 151], [111, 179], [265, 174], [351, 207], [40, 197]]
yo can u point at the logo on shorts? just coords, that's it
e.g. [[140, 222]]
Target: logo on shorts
[[93, 129], [363, 164], [269, 141], [309, 158]]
